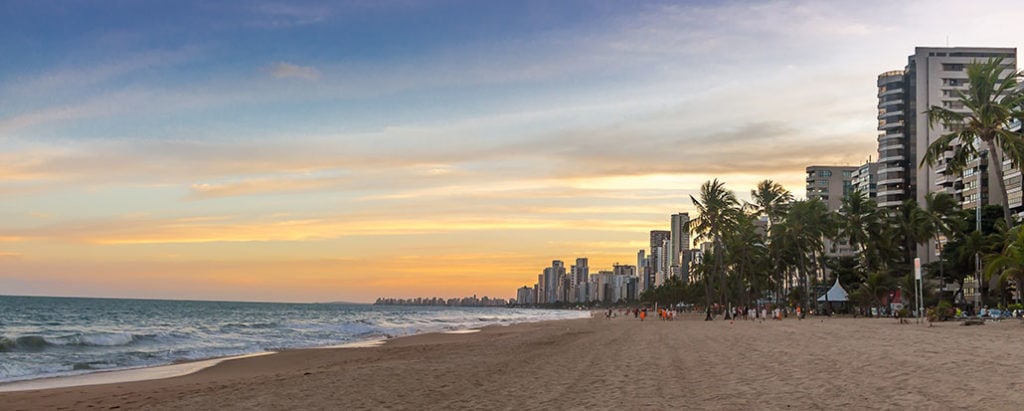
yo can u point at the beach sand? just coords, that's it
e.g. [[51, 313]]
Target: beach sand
[[599, 363]]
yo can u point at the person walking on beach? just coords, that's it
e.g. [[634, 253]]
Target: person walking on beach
[[643, 314]]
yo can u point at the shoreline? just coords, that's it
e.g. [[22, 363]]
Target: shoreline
[[599, 363], [179, 369]]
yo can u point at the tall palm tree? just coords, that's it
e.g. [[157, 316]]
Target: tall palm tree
[[771, 200], [746, 255], [800, 237], [914, 226], [858, 220], [945, 218], [1009, 263], [991, 100], [718, 211], [975, 244]]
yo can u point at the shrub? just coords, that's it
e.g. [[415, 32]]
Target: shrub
[[944, 311]]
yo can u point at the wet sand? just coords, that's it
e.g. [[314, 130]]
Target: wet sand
[[603, 364]]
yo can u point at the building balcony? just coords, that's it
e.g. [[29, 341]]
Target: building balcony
[[893, 144], [898, 157], [890, 204], [882, 192], [890, 181], [889, 136], [890, 91], [893, 169], [882, 125], [885, 104]]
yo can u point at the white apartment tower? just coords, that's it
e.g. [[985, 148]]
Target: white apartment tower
[[933, 77], [680, 242]]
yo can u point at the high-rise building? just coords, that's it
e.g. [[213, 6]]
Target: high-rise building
[[865, 180], [830, 184], [895, 162], [680, 237], [524, 296], [554, 276], [538, 289], [933, 76], [578, 275], [1012, 178], [660, 240], [658, 237]]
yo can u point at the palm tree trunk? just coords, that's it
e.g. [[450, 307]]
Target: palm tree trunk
[[720, 269], [998, 164]]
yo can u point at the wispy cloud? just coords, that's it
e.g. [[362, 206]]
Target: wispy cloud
[[283, 15], [289, 70]]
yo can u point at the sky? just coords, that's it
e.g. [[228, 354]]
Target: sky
[[344, 151]]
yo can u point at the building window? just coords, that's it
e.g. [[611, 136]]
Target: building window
[[825, 173]]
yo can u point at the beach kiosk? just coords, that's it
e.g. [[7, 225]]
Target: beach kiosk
[[836, 297]]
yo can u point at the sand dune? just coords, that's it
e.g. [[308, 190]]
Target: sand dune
[[603, 364]]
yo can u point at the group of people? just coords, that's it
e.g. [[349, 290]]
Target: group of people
[[753, 313], [641, 313]]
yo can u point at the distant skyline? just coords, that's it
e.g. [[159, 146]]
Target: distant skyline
[[314, 151]]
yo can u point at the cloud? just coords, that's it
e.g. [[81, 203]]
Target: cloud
[[289, 70], [284, 15]]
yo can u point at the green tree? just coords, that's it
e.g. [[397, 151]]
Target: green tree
[[858, 220], [799, 239], [914, 226], [946, 220], [1008, 264], [718, 211], [991, 101], [771, 200]]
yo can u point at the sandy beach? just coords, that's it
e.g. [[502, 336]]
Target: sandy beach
[[603, 364]]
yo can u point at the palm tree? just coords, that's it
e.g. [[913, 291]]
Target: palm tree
[[771, 200], [858, 220], [719, 210], [975, 244], [800, 237], [1009, 263], [746, 255], [943, 214], [914, 226], [992, 100]]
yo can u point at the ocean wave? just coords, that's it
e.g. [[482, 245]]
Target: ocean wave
[[33, 343], [250, 325]]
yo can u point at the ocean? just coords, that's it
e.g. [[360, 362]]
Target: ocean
[[44, 337]]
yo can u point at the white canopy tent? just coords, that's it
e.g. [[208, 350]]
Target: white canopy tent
[[836, 294]]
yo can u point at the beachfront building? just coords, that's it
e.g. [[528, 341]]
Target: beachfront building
[[933, 76], [660, 248], [524, 296], [579, 275], [895, 162], [554, 277], [1012, 178], [830, 184], [679, 235], [865, 179]]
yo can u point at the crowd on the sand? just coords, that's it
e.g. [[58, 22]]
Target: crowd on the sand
[[731, 313]]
